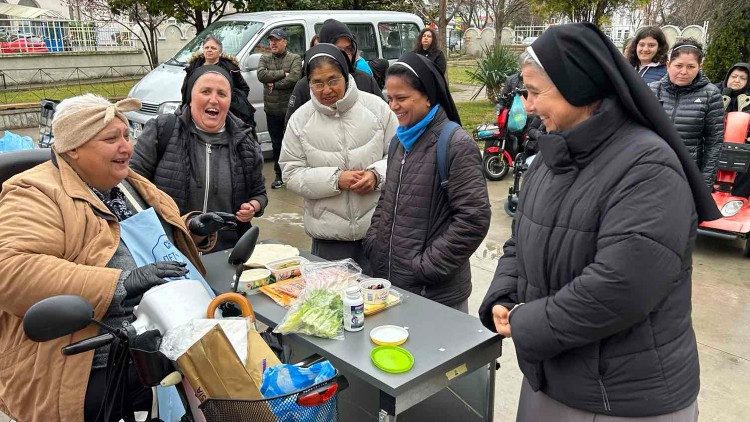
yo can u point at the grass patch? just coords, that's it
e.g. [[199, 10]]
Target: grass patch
[[460, 75], [105, 89], [474, 113]]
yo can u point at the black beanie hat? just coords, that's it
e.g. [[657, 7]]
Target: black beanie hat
[[202, 70]]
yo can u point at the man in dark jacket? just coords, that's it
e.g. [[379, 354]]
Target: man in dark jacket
[[279, 71], [594, 285], [334, 32]]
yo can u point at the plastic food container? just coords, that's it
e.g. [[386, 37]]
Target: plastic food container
[[283, 269], [375, 290], [254, 278]]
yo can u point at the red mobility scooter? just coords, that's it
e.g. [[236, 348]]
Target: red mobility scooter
[[734, 159]]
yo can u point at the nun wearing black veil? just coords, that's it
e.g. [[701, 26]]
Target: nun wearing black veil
[[425, 228], [594, 284]]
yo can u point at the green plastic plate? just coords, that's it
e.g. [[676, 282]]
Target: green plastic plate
[[392, 359]]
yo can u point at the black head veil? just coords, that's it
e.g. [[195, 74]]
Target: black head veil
[[331, 51], [433, 81], [585, 66]]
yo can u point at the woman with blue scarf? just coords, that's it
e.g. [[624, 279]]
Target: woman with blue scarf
[[424, 231]]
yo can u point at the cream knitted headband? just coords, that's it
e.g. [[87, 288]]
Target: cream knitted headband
[[77, 128]]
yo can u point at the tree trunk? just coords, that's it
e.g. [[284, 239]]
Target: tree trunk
[[599, 12], [154, 47], [442, 24], [199, 25], [499, 21]]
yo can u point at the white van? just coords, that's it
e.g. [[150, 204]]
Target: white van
[[379, 34]]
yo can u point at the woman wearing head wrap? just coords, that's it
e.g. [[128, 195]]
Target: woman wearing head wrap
[[333, 155], [735, 88], [647, 52], [204, 157], [594, 284], [694, 104], [61, 234], [213, 55], [736, 95], [424, 231], [427, 45], [338, 34]]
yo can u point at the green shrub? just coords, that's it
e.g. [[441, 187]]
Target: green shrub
[[496, 64], [730, 42]]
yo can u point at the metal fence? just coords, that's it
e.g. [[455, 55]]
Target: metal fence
[[54, 36], [33, 85]]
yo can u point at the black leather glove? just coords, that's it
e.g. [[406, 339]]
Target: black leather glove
[[211, 222], [143, 278]]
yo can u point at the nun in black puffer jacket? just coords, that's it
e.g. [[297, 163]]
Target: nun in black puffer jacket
[[693, 104], [594, 284]]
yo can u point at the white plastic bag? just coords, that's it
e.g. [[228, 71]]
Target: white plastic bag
[[179, 339]]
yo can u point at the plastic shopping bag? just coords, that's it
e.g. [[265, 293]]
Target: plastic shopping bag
[[287, 379], [13, 142], [517, 115]]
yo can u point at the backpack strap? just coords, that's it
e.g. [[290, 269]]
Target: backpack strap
[[393, 146], [163, 135], [446, 134]]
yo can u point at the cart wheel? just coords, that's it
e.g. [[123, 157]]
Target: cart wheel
[[494, 167], [511, 205]]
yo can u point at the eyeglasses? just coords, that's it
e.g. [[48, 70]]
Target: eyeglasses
[[320, 86]]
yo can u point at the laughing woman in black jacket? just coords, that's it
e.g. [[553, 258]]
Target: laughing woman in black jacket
[[694, 104], [594, 284]]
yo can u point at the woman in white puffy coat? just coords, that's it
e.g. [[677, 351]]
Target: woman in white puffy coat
[[334, 155]]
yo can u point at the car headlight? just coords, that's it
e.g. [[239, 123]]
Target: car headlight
[[731, 208], [169, 107]]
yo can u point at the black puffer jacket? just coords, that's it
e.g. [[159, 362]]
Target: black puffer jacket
[[600, 257], [176, 171], [422, 235], [698, 114]]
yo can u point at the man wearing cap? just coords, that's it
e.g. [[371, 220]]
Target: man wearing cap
[[279, 71], [337, 33]]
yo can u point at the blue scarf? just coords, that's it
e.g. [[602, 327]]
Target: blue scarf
[[408, 136]]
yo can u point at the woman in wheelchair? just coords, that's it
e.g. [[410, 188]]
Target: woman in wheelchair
[[63, 228]]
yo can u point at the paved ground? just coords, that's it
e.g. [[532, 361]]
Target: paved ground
[[721, 305]]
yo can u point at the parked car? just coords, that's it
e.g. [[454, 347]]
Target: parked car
[[384, 35], [23, 43]]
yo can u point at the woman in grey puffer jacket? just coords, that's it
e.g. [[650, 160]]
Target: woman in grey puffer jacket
[[694, 104]]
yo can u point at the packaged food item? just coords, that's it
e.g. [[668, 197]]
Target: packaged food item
[[375, 290], [394, 298], [253, 278], [269, 252], [284, 292], [319, 310], [282, 269]]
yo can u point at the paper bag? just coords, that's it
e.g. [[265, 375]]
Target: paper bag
[[215, 371]]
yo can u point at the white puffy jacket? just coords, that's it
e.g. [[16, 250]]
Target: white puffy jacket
[[320, 142]]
